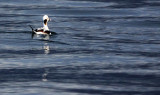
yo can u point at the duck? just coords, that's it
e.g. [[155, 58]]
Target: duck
[[43, 30]]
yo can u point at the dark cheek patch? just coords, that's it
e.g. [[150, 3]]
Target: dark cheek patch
[[45, 22]]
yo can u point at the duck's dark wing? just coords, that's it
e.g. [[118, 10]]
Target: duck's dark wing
[[39, 30], [47, 32]]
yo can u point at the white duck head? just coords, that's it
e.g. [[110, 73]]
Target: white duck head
[[45, 20]]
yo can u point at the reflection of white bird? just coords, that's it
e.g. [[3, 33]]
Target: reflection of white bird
[[46, 48], [44, 75], [44, 29]]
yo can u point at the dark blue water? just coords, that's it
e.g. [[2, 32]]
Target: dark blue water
[[102, 47]]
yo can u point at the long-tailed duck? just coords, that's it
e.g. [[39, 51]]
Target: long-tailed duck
[[44, 29]]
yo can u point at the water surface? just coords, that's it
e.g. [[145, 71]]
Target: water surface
[[101, 47]]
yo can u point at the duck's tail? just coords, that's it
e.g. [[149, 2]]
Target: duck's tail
[[31, 27]]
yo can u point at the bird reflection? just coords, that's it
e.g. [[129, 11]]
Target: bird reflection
[[44, 75], [40, 36], [46, 48], [45, 39]]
